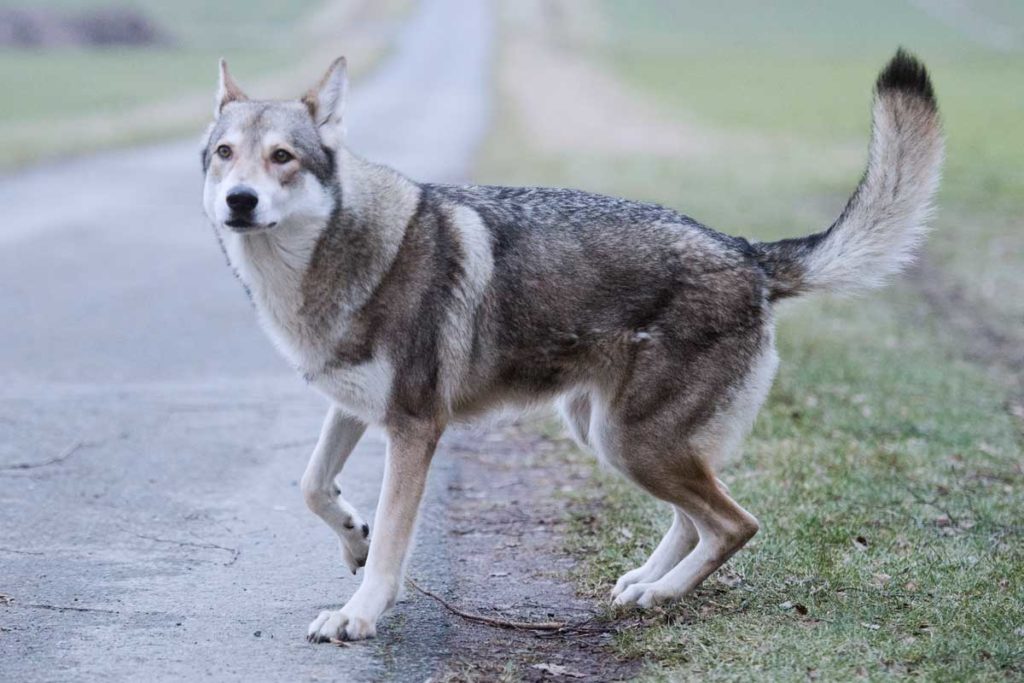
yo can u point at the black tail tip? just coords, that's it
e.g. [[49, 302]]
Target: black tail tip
[[905, 73]]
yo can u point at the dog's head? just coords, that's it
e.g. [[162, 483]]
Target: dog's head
[[271, 164]]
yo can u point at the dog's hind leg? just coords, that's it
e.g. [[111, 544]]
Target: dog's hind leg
[[723, 527], [677, 543], [670, 446], [575, 408], [338, 437]]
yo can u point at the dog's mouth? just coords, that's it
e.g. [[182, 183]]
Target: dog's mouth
[[241, 225]]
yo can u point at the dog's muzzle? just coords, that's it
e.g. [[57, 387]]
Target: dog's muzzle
[[242, 201]]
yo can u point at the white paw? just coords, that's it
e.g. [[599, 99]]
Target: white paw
[[632, 594], [643, 595], [651, 598], [339, 625], [638, 575]]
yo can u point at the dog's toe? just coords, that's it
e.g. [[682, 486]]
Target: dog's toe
[[315, 632], [632, 594], [628, 579], [337, 625], [651, 598], [360, 629], [329, 625], [354, 554]]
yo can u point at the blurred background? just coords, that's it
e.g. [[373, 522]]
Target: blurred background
[[80, 75], [897, 418]]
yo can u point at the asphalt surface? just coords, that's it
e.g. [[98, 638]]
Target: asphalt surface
[[151, 440]]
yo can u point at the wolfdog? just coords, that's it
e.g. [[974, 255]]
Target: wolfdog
[[412, 305]]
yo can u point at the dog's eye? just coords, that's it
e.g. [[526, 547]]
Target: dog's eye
[[281, 156], [224, 152]]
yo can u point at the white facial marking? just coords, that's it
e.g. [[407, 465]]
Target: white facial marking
[[286, 193]]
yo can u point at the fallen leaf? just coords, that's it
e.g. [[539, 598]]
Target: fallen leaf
[[880, 579], [987, 448], [558, 670]]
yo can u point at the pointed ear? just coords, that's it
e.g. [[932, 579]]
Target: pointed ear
[[326, 102], [227, 90]]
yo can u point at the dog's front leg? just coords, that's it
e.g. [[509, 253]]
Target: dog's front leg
[[410, 449], [338, 437]]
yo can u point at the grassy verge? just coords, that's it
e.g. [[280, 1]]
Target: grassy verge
[[786, 69], [64, 101], [885, 470]]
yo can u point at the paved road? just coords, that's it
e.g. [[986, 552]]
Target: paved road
[[169, 540]]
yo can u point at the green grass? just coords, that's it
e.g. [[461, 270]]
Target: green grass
[[55, 100], [871, 432], [802, 73], [886, 470], [46, 88]]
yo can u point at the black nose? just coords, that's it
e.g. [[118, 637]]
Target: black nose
[[242, 199]]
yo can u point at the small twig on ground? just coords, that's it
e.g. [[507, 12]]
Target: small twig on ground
[[235, 552], [64, 455], [500, 623]]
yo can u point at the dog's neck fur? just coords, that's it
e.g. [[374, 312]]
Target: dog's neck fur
[[351, 252]]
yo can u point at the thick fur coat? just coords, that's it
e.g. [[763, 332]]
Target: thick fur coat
[[410, 305]]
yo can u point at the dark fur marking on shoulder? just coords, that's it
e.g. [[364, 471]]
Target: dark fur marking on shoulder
[[366, 330], [435, 260]]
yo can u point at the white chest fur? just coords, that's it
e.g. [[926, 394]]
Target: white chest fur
[[273, 273], [362, 389]]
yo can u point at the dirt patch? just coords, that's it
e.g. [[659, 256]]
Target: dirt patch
[[509, 517]]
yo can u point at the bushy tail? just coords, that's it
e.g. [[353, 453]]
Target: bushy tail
[[877, 232]]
